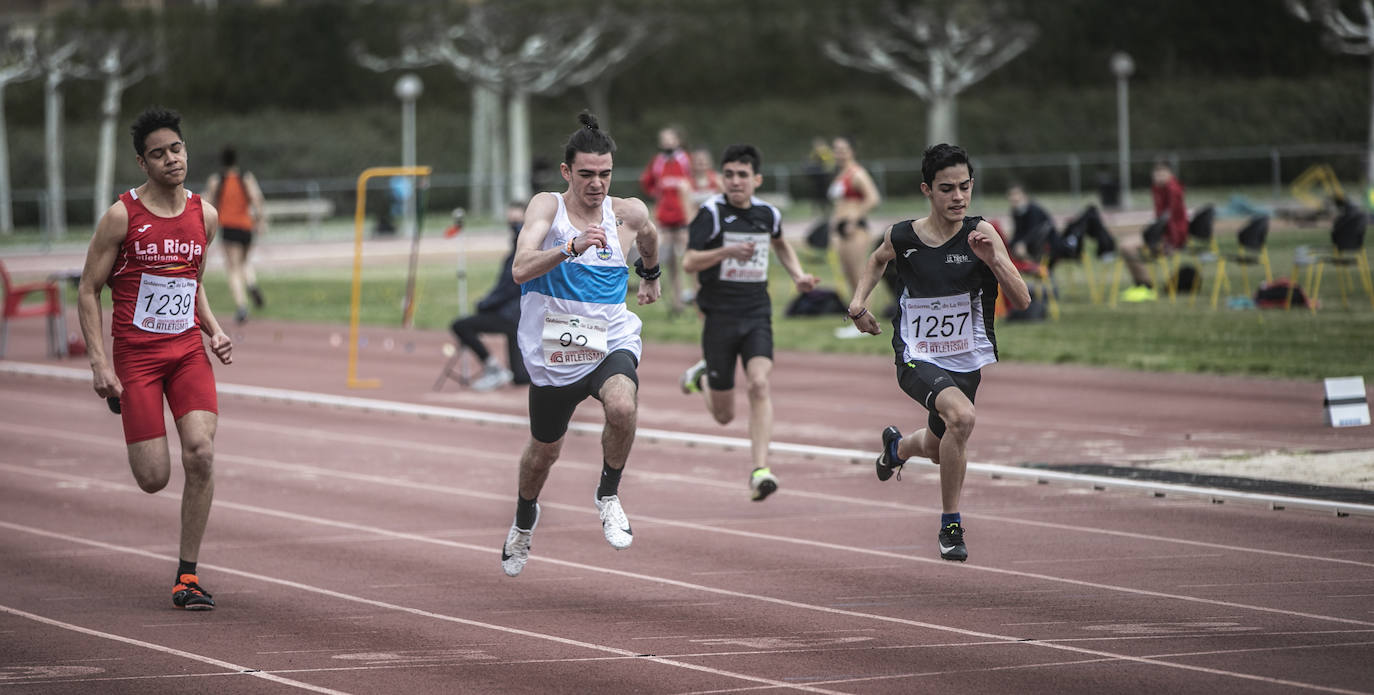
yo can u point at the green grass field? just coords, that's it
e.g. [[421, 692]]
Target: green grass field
[[1156, 336]]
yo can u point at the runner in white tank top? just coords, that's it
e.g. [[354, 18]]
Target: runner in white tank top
[[576, 334]]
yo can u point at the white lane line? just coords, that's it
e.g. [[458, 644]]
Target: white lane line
[[730, 443], [504, 458], [579, 509], [768, 682], [665, 581], [242, 670]]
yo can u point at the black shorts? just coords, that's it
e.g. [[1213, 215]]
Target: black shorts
[[724, 338], [924, 381], [231, 235], [844, 227], [551, 407]]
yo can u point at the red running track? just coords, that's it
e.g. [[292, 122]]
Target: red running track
[[359, 552]]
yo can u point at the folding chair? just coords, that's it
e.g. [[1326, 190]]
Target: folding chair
[[1202, 245], [1151, 252], [50, 307], [1251, 250], [1347, 241], [456, 368]]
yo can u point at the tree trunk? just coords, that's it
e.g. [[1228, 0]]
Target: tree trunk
[[518, 110], [942, 124], [6, 203], [105, 155], [598, 93], [479, 158], [496, 135], [52, 131]]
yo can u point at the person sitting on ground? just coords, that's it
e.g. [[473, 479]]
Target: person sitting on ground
[[497, 312]]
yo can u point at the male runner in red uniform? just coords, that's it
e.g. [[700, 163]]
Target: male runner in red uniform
[[150, 248]]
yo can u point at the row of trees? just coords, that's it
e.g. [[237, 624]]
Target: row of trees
[[507, 53]]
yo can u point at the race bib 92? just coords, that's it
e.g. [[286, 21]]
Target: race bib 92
[[572, 339], [938, 326], [165, 305]]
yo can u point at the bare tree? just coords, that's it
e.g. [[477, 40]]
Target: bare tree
[[935, 50], [508, 57], [596, 78], [1346, 34], [121, 63], [18, 62], [57, 60]]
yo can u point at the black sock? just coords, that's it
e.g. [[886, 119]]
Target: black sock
[[184, 567], [525, 514], [610, 480]]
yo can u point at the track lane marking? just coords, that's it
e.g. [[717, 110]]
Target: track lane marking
[[498, 457], [234, 669], [1010, 640]]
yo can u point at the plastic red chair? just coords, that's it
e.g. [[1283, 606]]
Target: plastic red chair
[[15, 308]]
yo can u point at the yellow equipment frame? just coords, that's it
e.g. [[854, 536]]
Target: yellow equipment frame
[[355, 304]]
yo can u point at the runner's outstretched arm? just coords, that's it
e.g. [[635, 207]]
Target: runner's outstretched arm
[[220, 344], [987, 245], [100, 258], [873, 270], [787, 256]]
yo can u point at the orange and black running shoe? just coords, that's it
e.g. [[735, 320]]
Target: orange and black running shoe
[[188, 594]]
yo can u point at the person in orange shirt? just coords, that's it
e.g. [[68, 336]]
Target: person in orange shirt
[[239, 200]]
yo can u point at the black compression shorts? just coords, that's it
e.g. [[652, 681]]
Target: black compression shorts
[[231, 235], [551, 407], [924, 381], [724, 338]]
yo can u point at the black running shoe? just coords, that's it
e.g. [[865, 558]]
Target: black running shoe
[[256, 294], [952, 543], [887, 462], [188, 594]]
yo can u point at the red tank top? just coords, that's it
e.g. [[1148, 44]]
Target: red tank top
[[233, 206], [153, 280]]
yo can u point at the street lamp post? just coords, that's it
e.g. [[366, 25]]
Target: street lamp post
[[1122, 67], [408, 89]]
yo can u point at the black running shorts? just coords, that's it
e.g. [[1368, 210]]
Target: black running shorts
[[924, 381], [243, 237], [551, 407], [725, 338]]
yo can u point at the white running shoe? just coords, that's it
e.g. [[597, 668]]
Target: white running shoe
[[492, 379], [516, 552], [691, 379], [613, 522]]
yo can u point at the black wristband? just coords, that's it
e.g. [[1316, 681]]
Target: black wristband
[[647, 273]]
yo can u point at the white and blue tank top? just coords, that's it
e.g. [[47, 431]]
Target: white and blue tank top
[[574, 315]]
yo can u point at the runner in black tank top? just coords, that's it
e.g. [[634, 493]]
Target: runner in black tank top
[[951, 267]]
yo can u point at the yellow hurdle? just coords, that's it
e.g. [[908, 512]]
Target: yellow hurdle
[[355, 304]]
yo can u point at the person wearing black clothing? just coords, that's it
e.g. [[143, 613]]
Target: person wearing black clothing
[[497, 312], [728, 247], [1033, 234], [951, 267]]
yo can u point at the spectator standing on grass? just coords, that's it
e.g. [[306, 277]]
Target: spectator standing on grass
[[578, 338], [497, 312], [149, 247], [853, 195], [951, 266], [236, 195], [664, 180], [731, 236]]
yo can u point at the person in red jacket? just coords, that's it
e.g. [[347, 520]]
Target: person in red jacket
[[668, 174], [1169, 207]]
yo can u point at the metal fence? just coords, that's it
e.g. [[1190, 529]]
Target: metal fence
[[1267, 167]]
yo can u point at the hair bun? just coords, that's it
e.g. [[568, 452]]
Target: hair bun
[[588, 121]]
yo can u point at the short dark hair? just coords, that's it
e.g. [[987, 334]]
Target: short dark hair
[[942, 156], [153, 119], [588, 138], [228, 156], [743, 154]]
